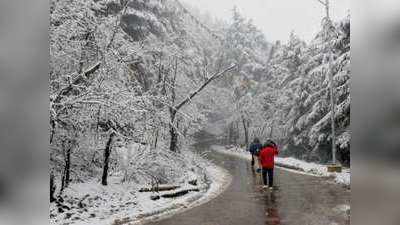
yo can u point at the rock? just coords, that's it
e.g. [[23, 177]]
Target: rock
[[155, 197], [92, 215]]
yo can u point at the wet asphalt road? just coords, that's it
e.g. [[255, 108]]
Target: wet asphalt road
[[298, 200]]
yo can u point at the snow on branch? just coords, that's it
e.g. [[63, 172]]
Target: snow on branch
[[213, 77], [323, 3], [91, 70], [78, 80]]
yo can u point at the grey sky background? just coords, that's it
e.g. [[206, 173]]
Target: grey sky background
[[277, 18]]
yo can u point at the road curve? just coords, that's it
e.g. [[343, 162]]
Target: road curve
[[299, 200]]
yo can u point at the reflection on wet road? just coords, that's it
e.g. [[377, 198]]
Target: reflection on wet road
[[299, 199]]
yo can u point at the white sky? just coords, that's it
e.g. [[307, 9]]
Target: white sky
[[277, 18]]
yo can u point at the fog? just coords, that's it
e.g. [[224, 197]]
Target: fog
[[277, 18]]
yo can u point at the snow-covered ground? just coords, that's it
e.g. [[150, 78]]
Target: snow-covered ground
[[294, 165], [119, 203]]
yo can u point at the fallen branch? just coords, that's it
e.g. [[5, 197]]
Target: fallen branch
[[159, 188], [179, 193], [174, 194]]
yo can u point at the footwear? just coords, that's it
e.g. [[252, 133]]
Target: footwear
[[265, 186], [271, 188]]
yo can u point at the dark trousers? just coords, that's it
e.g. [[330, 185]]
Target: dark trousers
[[270, 174], [252, 160]]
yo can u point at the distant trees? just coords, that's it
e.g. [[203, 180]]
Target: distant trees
[[298, 104], [245, 46], [281, 91]]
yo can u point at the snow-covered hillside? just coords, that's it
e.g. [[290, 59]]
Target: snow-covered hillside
[[132, 82]]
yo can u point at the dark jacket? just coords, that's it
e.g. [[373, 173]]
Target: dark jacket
[[255, 148]]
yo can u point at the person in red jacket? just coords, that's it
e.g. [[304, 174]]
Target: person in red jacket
[[267, 158]]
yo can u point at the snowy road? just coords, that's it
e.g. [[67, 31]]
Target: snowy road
[[300, 199]]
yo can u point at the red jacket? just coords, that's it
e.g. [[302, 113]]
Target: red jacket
[[267, 156]]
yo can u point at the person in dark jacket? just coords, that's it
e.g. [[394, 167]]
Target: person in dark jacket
[[254, 149], [267, 161]]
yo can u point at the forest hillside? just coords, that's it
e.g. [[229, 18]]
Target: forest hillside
[[132, 81]]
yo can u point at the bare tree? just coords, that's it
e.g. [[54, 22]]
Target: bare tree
[[175, 109]]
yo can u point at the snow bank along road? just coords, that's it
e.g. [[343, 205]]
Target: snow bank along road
[[118, 204], [300, 199]]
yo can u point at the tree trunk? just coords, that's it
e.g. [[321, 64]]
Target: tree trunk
[[52, 129], [232, 134], [174, 139], [156, 140], [172, 131], [271, 133], [160, 70], [68, 167], [52, 187], [246, 133], [229, 136], [107, 152]]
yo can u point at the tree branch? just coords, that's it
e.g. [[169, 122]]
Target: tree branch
[[117, 21], [213, 77], [323, 3], [91, 70], [78, 80]]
